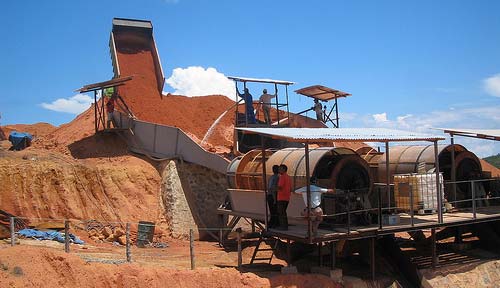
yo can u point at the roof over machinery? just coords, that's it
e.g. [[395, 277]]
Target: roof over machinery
[[321, 92], [491, 134], [314, 135], [246, 79]]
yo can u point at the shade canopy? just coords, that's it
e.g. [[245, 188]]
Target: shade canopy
[[271, 81], [321, 92]]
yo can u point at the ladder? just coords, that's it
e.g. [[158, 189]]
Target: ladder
[[259, 249]]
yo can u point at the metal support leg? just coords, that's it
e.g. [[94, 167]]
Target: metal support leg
[[473, 199], [433, 248], [221, 233], [12, 231], [372, 257], [288, 254], [239, 248], [191, 248], [320, 254], [332, 254], [127, 247]]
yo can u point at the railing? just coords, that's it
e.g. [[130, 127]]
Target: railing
[[487, 202]]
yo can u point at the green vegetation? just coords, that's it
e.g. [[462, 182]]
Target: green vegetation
[[493, 160]]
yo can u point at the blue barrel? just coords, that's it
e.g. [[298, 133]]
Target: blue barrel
[[145, 233]]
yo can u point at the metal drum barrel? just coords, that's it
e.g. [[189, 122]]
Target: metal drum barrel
[[231, 172], [339, 168], [145, 233], [406, 159]]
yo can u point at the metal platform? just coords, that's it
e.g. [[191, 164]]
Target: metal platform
[[407, 223]]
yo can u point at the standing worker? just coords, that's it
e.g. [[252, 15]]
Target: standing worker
[[265, 101], [318, 108], [284, 192], [110, 105], [250, 115], [272, 199]]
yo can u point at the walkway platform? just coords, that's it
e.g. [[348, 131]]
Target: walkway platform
[[406, 224]]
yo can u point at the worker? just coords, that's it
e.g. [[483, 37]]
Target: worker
[[318, 108], [315, 211], [250, 114], [284, 193], [265, 102], [272, 198], [110, 108]]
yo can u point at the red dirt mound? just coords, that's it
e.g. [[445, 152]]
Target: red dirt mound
[[37, 130]]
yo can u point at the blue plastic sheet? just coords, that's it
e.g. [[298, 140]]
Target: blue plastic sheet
[[49, 235], [20, 140]]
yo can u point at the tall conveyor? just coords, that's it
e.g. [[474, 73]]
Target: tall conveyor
[[134, 55], [131, 36]]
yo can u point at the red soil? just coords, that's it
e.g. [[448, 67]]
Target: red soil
[[37, 129], [45, 267]]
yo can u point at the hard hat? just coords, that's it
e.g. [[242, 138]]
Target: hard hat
[[264, 91]]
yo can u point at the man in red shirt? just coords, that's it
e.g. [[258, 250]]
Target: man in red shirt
[[110, 108], [284, 192]]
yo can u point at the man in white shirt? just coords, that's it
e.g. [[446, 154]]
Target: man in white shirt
[[316, 213], [318, 108], [265, 100]]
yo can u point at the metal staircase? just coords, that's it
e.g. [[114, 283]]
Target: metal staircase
[[258, 249]]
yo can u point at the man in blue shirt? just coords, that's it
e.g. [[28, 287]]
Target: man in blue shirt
[[248, 105]]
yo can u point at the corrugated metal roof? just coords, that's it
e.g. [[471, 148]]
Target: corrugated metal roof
[[246, 79], [321, 92], [341, 134], [492, 134]]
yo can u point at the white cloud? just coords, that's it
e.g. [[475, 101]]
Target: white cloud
[[492, 85], [198, 81], [487, 117], [72, 105], [380, 118]]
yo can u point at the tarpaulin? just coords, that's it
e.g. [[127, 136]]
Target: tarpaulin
[[49, 235], [20, 140]]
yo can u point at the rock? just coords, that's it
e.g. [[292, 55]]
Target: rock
[[92, 233], [122, 240], [107, 232], [118, 232], [18, 271], [4, 232]]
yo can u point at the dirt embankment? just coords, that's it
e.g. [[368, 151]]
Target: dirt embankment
[[45, 184]]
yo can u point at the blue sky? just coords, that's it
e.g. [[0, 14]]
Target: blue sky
[[408, 64]]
